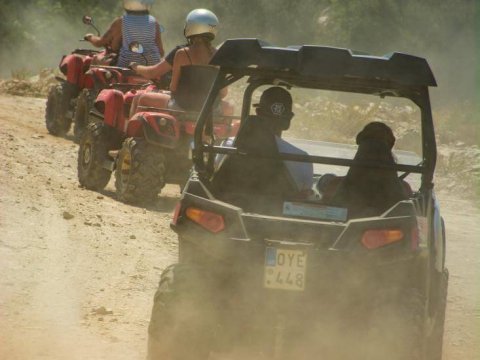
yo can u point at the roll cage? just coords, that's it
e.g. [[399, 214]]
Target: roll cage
[[323, 68]]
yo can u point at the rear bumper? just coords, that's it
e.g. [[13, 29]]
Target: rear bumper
[[330, 275]]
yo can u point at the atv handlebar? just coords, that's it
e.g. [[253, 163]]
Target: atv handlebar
[[123, 70], [85, 51], [183, 113], [128, 86]]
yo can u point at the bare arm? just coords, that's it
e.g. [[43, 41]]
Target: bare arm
[[158, 40], [223, 92], [153, 71], [111, 38]]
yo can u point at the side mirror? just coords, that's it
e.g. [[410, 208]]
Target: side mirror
[[136, 47], [87, 20]]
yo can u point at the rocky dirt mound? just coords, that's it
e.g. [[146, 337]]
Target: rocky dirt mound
[[459, 169], [35, 86]]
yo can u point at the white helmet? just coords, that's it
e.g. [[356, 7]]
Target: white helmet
[[201, 22], [137, 5]]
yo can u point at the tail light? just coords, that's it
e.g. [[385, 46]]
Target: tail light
[[373, 239], [208, 220]]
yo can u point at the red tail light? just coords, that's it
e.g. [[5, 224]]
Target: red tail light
[[373, 239], [208, 220]]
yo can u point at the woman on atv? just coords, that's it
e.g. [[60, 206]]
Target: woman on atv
[[200, 30], [137, 25]]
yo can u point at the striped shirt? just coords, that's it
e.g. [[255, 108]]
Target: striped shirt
[[142, 29]]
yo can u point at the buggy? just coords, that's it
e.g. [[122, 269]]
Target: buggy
[[301, 278]]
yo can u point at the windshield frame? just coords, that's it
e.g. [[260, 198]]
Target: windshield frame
[[419, 95]]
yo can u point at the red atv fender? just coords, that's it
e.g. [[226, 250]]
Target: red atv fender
[[110, 102], [86, 81], [72, 66], [159, 128]]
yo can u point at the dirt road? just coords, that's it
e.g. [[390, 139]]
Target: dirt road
[[79, 268]]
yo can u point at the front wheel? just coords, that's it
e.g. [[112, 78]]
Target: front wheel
[[140, 171], [182, 323], [57, 112], [92, 153]]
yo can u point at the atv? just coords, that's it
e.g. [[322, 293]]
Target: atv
[[282, 276], [151, 148], [61, 98], [72, 98]]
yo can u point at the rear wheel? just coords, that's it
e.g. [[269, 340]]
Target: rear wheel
[[435, 338], [81, 116], [140, 171], [92, 153], [57, 117], [182, 323], [396, 328]]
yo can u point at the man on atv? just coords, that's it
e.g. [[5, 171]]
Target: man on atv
[[137, 25]]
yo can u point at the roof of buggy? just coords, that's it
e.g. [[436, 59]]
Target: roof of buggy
[[308, 64]]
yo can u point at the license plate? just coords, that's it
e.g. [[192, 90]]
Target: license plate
[[285, 269]]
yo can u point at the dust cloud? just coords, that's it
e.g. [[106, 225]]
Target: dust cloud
[[449, 46]]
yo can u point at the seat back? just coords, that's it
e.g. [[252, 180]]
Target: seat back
[[194, 85]]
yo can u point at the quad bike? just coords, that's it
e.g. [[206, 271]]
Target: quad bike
[[72, 98], [288, 277], [148, 150], [61, 98], [104, 77]]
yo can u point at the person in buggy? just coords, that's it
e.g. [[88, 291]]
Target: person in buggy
[[200, 30], [262, 135], [135, 26], [369, 191]]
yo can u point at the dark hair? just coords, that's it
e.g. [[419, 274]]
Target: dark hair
[[376, 130], [369, 191]]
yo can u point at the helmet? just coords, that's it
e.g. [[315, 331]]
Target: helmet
[[137, 5], [201, 22]]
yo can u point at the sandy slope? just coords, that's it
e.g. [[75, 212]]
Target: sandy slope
[[56, 270]]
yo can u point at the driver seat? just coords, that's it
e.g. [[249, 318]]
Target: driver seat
[[247, 181]]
